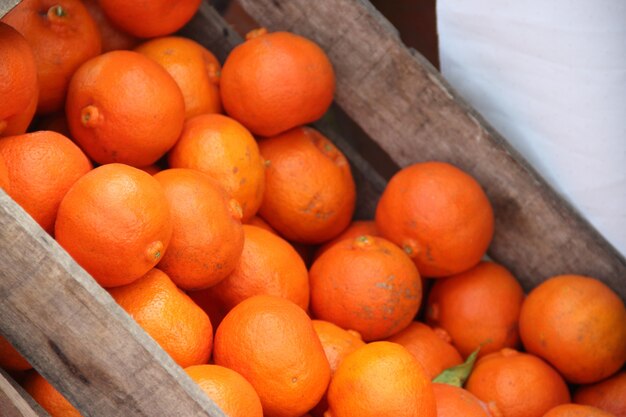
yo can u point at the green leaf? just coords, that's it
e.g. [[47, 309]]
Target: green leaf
[[457, 375]]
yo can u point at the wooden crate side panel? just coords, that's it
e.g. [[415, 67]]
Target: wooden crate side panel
[[15, 402], [72, 331], [403, 103]]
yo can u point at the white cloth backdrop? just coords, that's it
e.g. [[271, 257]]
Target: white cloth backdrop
[[551, 77]]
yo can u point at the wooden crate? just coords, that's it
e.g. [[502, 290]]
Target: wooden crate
[[391, 106]]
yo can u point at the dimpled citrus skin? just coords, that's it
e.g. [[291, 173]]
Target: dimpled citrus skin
[[271, 342], [577, 410], [230, 391], [367, 284], [577, 324], [169, 316], [194, 68], [380, 379], [208, 237], [123, 107], [458, 402], [113, 38], [439, 215], [115, 222], [355, 229], [520, 384], [310, 194], [18, 82], [42, 166], [223, 149], [276, 81], [431, 347], [5, 183], [62, 35], [608, 394]]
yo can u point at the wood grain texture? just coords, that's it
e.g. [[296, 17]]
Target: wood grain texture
[[214, 33], [7, 5], [15, 402], [77, 337], [404, 104]]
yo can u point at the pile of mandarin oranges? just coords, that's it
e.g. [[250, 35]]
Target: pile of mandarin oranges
[[195, 194]]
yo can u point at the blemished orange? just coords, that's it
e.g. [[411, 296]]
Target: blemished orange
[[42, 167], [577, 324], [367, 284], [271, 342], [276, 81], [194, 68], [151, 18], [355, 229], [608, 394], [115, 222], [5, 182], [10, 358], [169, 316], [113, 38], [380, 379], [123, 107], [337, 343], [230, 391], [520, 384], [577, 410], [439, 215], [309, 190], [62, 35], [478, 308], [431, 347], [48, 397], [19, 87], [208, 236], [224, 150], [454, 401], [268, 265]]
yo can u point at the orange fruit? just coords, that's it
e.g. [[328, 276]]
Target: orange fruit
[[268, 265], [208, 237], [10, 358], [193, 67], [115, 222], [5, 183], [576, 410], [439, 215], [431, 347], [355, 229], [458, 402], [578, 324], [520, 384], [271, 342], [113, 38], [608, 394], [337, 344], [18, 82], [223, 149], [259, 222], [276, 81], [62, 35], [309, 190], [479, 307], [367, 284], [42, 167], [380, 379], [48, 397], [169, 316], [124, 107], [149, 19], [230, 391]]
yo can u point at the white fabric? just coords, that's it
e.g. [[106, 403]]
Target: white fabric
[[551, 77]]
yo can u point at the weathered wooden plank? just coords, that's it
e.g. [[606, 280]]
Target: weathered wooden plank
[[15, 402], [404, 104], [7, 5], [77, 337], [214, 33]]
